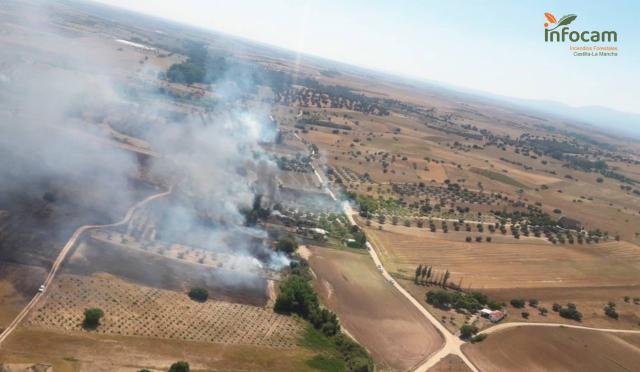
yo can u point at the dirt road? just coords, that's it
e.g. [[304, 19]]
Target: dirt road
[[62, 256], [452, 343], [503, 326]]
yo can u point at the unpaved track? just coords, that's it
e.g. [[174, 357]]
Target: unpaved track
[[62, 256], [503, 326], [452, 344]]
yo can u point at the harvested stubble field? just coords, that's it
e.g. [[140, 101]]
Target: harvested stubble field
[[555, 349], [589, 275], [377, 315], [523, 263], [132, 310]]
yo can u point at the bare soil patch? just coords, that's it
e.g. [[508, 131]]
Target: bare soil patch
[[555, 349], [450, 363], [378, 316]]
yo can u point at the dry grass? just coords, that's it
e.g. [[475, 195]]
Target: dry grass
[[83, 351]]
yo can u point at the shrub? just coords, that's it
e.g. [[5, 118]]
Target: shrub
[[533, 302], [199, 294], [287, 244], [478, 338], [517, 303], [525, 314], [494, 305], [610, 310], [570, 312], [556, 307], [543, 311], [92, 317], [180, 366], [467, 330]]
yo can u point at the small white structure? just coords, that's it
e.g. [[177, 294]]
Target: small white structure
[[493, 316]]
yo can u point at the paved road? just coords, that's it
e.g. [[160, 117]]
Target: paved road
[[62, 256]]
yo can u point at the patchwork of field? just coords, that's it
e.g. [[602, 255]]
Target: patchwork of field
[[133, 310], [555, 349], [371, 310], [524, 263]]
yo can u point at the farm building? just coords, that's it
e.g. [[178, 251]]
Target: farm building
[[494, 316]]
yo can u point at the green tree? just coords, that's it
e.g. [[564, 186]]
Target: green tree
[[92, 317], [418, 272], [180, 366], [287, 244], [199, 294], [468, 330], [517, 303], [445, 278]]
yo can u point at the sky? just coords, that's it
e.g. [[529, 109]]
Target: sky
[[490, 46]]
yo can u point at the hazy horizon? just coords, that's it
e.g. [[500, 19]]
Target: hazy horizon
[[496, 47]]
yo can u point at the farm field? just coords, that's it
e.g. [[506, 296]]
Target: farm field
[[450, 363], [374, 313], [521, 263], [588, 275], [77, 351], [132, 310], [564, 349], [154, 270]]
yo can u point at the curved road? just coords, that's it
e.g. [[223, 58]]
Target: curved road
[[452, 343], [63, 254], [503, 326]]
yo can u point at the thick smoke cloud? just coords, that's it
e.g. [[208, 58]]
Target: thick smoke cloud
[[53, 105]]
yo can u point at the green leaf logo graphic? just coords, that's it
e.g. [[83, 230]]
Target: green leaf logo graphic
[[565, 21]]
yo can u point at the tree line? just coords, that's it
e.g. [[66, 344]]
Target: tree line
[[297, 296]]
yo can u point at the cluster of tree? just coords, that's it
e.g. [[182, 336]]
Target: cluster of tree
[[287, 244], [180, 366], [584, 164], [469, 332], [359, 238], [426, 275], [298, 297], [92, 318], [199, 294], [256, 213], [569, 312], [610, 310], [471, 302]]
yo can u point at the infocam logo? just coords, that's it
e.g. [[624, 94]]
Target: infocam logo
[[565, 34]]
